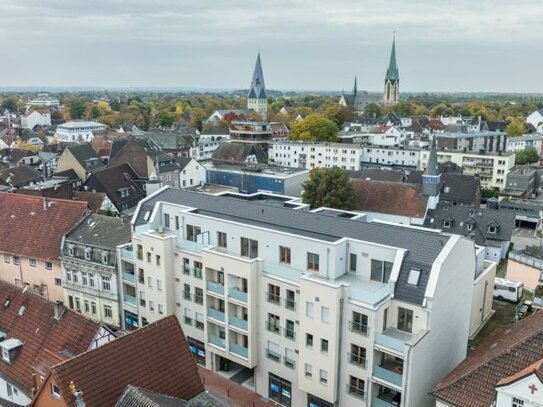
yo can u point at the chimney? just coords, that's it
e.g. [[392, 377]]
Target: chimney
[[45, 205], [34, 384], [59, 310], [79, 402]]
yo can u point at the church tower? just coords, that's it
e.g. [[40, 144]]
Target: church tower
[[392, 80], [431, 179], [256, 99]]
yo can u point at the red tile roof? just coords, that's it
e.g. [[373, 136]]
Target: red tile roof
[[535, 368], [29, 230], [155, 357], [46, 341]]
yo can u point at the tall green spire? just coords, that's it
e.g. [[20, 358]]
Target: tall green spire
[[392, 71]]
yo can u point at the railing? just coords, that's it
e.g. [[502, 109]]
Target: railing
[[186, 269], [190, 246], [357, 360], [215, 287], [290, 304], [199, 299], [199, 325], [390, 342], [358, 328], [273, 298], [377, 402], [388, 375], [239, 350], [357, 392], [282, 271], [238, 322], [273, 355], [186, 295], [130, 277], [130, 299], [237, 294], [215, 340], [289, 333], [290, 363], [198, 272], [215, 314], [127, 254], [273, 327]]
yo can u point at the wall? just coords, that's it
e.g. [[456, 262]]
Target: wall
[[521, 272], [67, 161], [483, 288], [46, 399], [19, 398]]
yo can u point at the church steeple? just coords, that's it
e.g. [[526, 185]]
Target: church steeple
[[431, 179], [391, 95], [392, 71], [355, 88], [256, 98]]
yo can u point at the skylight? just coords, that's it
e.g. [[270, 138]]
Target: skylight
[[414, 276]]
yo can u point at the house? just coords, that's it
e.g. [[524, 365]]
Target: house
[[30, 238], [223, 114], [43, 100], [191, 172], [48, 163], [120, 184], [173, 142], [98, 202], [522, 182], [503, 371], [18, 177], [209, 140], [455, 188], [78, 131], [89, 264], [229, 153], [69, 176], [489, 228], [36, 118], [80, 158], [108, 145], [526, 265], [35, 335], [536, 120], [164, 365]]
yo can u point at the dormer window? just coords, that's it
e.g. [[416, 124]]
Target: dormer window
[[104, 257], [124, 192], [87, 254], [414, 276], [71, 250], [447, 224], [9, 349], [492, 229], [470, 226]]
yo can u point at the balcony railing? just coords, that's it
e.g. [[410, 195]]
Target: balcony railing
[[198, 272], [272, 327], [273, 298], [186, 269], [290, 304], [359, 328], [387, 375], [215, 314], [238, 322], [237, 294], [357, 360], [198, 299], [239, 350], [215, 287], [130, 299], [130, 277], [215, 340], [357, 392], [379, 402], [289, 333], [127, 253], [291, 363], [273, 355]]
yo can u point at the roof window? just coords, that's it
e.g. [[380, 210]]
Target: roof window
[[414, 276]]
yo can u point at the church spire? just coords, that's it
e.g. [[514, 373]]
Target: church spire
[[431, 168], [355, 88], [258, 89], [392, 71]]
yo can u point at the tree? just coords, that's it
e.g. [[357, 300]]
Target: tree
[[372, 110], [329, 187], [314, 127], [26, 146], [517, 127], [528, 156], [197, 118], [165, 118], [338, 114], [76, 107]]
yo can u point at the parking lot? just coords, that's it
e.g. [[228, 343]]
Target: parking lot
[[523, 237]]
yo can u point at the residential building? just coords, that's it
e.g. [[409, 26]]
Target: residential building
[[89, 267], [230, 153], [43, 100], [522, 182], [299, 154], [491, 168], [487, 141], [80, 158], [173, 142], [35, 335], [326, 308], [500, 371], [36, 118], [163, 365], [390, 156], [535, 119], [18, 177], [257, 98], [391, 95], [48, 163], [78, 131], [209, 141], [30, 239], [191, 172], [256, 133], [526, 142], [526, 265], [222, 114], [455, 189]]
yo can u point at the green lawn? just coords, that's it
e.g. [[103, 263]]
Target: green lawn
[[504, 315]]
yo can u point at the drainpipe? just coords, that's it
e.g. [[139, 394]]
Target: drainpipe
[[340, 342]]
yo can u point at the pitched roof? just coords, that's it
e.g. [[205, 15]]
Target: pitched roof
[[390, 197], [392, 70], [101, 231], [378, 174], [19, 176], [93, 199], [535, 368], [30, 230], [163, 364], [46, 340], [237, 153], [258, 89], [85, 156], [183, 161], [138, 397], [460, 189], [506, 352]]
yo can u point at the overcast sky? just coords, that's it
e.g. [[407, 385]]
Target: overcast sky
[[442, 45]]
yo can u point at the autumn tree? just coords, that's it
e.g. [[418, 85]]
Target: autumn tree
[[517, 127], [314, 127], [329, 187], [197, 118], [528, 156]]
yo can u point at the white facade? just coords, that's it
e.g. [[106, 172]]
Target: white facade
[[330, 333], [44, 100], [192, 174], [526, 392], [536, 120], [78, 131], [390, 156], [315, 155], [208, 143], [36, 118], [528, 141]]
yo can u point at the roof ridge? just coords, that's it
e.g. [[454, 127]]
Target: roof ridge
[[38, 198]]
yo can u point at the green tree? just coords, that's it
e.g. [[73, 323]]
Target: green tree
[[528, 156], [165, 118], [10, 103], [314, 127], [372, 110], [338, 114], [329, 187], [76, 107], [197, 117], [517, 127]]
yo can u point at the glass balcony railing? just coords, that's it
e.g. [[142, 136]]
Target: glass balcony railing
[[381, 402], [127, 253], [197, 272], [239, 350], [215, 340], [130, 299], [237, 294], [238, 322], [130, 277], [357, 392], [273, 355], [275, 328], [215, 314], [357, 360], [388, 375], [358, 328], [186, 269], [215, 287], [289, 333], [290, 304]]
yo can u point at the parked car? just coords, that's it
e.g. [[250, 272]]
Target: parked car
[[523, 310]]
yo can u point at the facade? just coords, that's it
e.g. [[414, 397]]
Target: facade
[[298, 154], [259, 133], [327, 310], [36, 118], [526, 265], [89, 267], [191, 172], [536, 120], [488, 141], [522, 182], [81, 159], [390, 156], [492, 169], [43, 100], [256, 98], [78, 132], [209, 141], [526, 142], [391, 95]]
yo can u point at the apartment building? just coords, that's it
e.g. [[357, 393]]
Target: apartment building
[[491, 168], [390, 156], [78, 131], [489, 141], [326, 308], [309, 155]]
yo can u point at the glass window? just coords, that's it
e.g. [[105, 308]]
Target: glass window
[[414, 276], [308, 370], [249, 248], [193, 232], [357, 387], [284, 254], [222, 239], [380, 270], [405, 319], [312, 261], [309, 340], [309, 309], [359, 323], [280, 390], [106, 283], [323, 374], [325, 314], [352, 263], [274, 294], [324, 345]]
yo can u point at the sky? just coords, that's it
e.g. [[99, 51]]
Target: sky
[[442, 45]]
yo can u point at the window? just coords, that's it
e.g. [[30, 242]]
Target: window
[[352, 263], [274, 294], [309, 340], [158, 285], [93, 308], [16, 260], [284, 254], [380, 271], [76, 277], [193, 232], [160, 309], [84, 279], [312, 261], [249, 248], [58, 281], [177, 223], [414, 276], [405, 319], [356, 387], [157, 260], [68, 275], [104, 257], [150, 282], [290, 302], [197, 269], [323, 374], [91, 279], [77, 304], [86, 306], [470, 226], [447, 224], [289, 329], [140, 252], [186, 291], [324, 345], [166, 220], [151, 306], [48, 265], [106, 283], [198, 295], [55, 391], [357, 355], [517, 402], [7, 258], [71, 302], [308, 370], [222, 239], [359, 324], [87, 254], [5, 355], [309, 309], [280, 390], [32, 262], [325, 314], [149, 257], [108, 312], [274, 323], [492, 229]]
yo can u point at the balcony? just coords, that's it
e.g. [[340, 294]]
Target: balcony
[[358, 328], [290, 304], [238, 322], [273, 298], [127, 253], [357, 392], [280, 270], [130, 277], [215, 340], [289, 333], [389, 373], [386, 400], [237, 294], [215, 314], [290, 363], [275, 328], [130, 299], [215, 287], [190, 246], [198, 272], [357, 360], [239, 350], [270, 354], [392, 340]]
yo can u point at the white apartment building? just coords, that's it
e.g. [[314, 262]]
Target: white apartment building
[[525, 142], [43, 100], [329, 310], [36, 118], [310, 155], [78, 131], [491, 168], [390, 156], [208, 143]]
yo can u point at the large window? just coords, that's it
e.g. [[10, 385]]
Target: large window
[[312, 261], [222, 239], [280, 390], [357, 355], [356, 387], [284, 254], [314, 401], [193, 232], [352, 263], [405, 320], [359, 324], [198, 350], [380, 270], [274, 294], [249, 248]]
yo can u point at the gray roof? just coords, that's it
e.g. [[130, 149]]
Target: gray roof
[[6, 403], [84, 152], [19, 176], [79, 124], [462, 189], [422, 246], [137, 397], [460, 217], [101, 231], [258, 88], [183, 161]]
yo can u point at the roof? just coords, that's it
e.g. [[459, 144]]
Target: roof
[[462, 218], [535, 368], [164, 364], [170, 140], [102, 231], [237, 153], [379, 174], [535, 252], [183, 161], [460, 189], [138, 397], [46, 340], [93, 199], [422, 246], [394, 198], [6, 403], [392, 70], [501, 355], [431, 166], [70, 174], [78, 124], [258, 88], [83, 153], [39, 224], [19, 176]]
